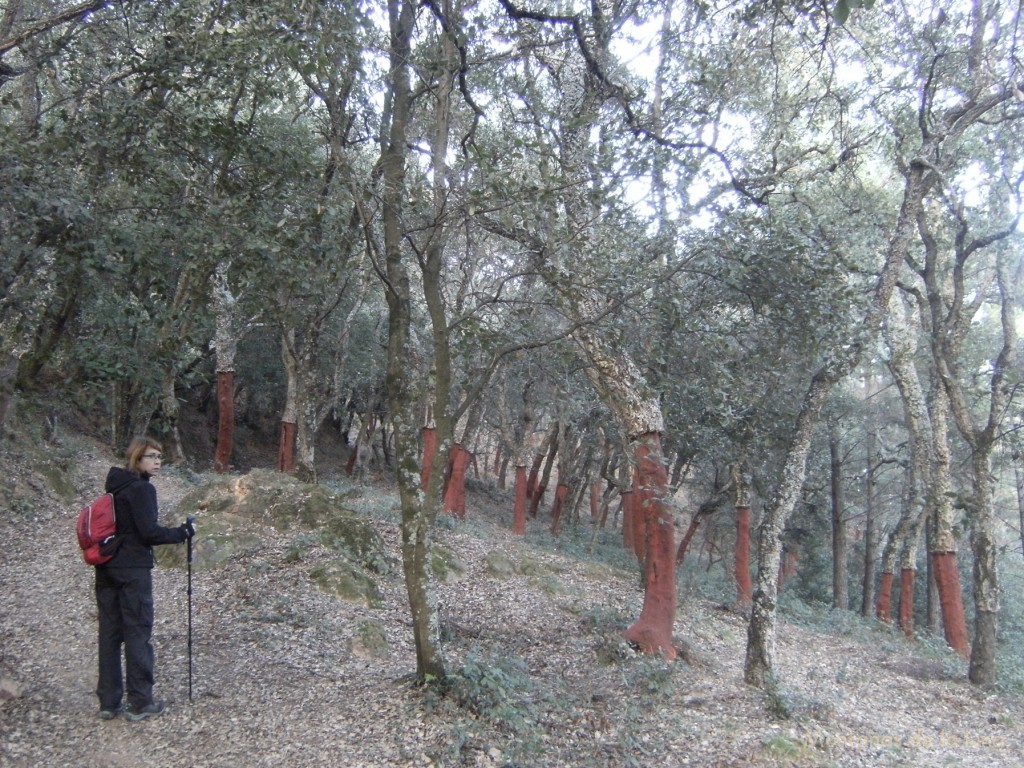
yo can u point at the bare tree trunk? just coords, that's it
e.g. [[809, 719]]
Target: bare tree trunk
[[867, 597], [290, 416], [1018, 472], [419, 510]]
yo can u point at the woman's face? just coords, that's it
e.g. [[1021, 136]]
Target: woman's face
[[150, 462]]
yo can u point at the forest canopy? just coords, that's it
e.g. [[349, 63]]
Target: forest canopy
[[708, 259]]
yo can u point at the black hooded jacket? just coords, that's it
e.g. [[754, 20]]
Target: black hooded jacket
[[136, 510]]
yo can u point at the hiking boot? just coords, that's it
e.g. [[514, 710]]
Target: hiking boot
[[109, 713], [150, 710]]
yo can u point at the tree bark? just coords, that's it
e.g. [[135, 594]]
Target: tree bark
[[954, 623], [225, 421], [532, 480], [519, 509], [691, 531], [541, 484], [744, 584], [907, 601], [290, 417], [225, 343], [170, 411], [455, 492], [286, 448], [943, 543], [840, 579], [429, 452], [760, 657], [556, 508], [418, 509], [867, 597]]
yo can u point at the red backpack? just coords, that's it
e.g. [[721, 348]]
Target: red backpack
[[97, 527]]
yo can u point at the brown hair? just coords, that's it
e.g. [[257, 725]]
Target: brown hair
[[137, 447]]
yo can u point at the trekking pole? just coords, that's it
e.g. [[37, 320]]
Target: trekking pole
[[190, 519]]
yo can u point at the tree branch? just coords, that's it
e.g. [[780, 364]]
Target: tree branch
[[43, 25]]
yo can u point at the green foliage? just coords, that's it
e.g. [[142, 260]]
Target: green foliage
[[654, 679], [496, 689]]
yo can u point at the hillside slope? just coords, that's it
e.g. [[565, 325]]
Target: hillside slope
[[287, 675]]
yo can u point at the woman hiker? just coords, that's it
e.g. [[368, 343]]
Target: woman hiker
[[124, 586]]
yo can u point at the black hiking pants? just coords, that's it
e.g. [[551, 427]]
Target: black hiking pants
[[124, 597]]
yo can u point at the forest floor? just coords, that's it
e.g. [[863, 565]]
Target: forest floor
[[282, 674]]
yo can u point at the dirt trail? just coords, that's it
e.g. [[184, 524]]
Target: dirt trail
[[280, 678]]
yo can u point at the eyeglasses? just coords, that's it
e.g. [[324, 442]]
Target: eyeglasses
[[157, 456]]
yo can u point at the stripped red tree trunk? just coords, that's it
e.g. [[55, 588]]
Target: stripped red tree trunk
[[907, 601], [653, 630], [638, 519], [595, 503], [286, 448], [455, 488], [556, 507], [429, 451], [225, 420], [541, 484], [954, 622], [684, 545], [519, 510]]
